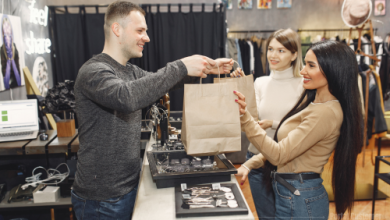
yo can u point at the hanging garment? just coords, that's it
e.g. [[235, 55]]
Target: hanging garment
[[379, 50], [239, 57], [251, 58], [264, 55], [258, 65], [232, 49], [244, 47], [384, 72]]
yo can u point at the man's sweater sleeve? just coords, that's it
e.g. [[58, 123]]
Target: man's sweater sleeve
[[104, 87]]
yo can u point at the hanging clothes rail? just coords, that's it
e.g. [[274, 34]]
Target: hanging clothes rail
[[326, 30], [101, 5], [253, 31]]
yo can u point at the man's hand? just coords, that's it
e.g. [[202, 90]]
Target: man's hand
[[225, 66], [198, 65], [242, 171]]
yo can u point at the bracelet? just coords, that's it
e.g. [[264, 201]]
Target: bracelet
[[246, 167], [243, 114]]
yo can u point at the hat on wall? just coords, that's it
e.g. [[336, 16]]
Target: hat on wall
[[355, 12]]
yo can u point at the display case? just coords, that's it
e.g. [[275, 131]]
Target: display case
[[215, 202], [172, 168]]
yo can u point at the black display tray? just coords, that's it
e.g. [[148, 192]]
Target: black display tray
[[240, 210], [164, 180]]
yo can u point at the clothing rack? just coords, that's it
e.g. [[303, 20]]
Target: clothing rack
[[105, 5], [333, 30], [57, 7], [237, 33], [342, 29], [252, 31], [77, 6], [354, 43]]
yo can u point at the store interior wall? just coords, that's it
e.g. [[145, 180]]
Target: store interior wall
[[304, 14]]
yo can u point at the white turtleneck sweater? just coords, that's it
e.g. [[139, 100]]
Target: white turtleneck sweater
[[276, 95]]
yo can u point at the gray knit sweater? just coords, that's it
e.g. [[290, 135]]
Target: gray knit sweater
[[109, 99]]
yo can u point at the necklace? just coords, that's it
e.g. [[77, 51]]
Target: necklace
[[334, 100]]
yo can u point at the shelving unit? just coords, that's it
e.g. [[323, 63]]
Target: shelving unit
[[383, 176]]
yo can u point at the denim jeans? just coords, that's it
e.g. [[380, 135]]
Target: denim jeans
[[120, 208], [263, 198], [313, 203]]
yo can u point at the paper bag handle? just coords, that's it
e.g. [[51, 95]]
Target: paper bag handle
[[238, 66]]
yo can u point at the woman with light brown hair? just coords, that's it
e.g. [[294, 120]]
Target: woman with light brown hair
[[276, 94]]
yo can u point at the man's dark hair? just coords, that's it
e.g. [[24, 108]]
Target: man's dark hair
[[116, 11]]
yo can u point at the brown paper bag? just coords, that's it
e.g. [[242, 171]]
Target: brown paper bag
[[211, 122], [246, 86]]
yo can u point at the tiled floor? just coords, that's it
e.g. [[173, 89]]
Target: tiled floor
[[364, 175]]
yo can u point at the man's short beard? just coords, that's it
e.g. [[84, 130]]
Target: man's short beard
[[126, 52]]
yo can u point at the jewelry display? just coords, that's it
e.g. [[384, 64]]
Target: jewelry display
[[165, 165], [209, 199]]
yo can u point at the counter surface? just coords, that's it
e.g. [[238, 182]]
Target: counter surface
[[153, 203]]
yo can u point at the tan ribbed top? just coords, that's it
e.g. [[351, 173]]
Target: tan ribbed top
[[306, 139]]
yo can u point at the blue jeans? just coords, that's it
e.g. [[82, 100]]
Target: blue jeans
[[263, 198], [313, 203], [120, 208]]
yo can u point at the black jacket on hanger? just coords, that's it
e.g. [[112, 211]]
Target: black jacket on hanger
[[384, 69], [245, 55], [258, 65]]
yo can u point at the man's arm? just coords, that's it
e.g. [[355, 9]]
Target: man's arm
[[102, 86]]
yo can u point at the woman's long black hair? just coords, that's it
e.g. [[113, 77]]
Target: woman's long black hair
[[338, 63]]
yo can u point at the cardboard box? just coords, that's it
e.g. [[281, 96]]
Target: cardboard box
[[48, 194]]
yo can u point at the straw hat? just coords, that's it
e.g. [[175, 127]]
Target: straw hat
[[355, 12]]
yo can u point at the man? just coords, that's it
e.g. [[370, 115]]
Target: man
[[110, 94]]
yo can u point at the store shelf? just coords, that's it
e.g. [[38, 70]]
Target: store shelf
[[384, 176]]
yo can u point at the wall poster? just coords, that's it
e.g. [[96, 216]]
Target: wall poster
[[264, 4], [11, 52], [380, 8], [283, 4], [228, 3], [244, 4], [34, 18]]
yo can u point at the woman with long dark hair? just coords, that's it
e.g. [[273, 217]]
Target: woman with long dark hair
[[326, 119]]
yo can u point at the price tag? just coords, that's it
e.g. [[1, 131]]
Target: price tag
[[183, 186], [216, 186], [173, 137], [186, 196]]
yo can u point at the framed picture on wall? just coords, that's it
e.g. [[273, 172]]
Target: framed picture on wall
[[283, 4], [264, 4], [228, 3], [244, 4], [12, 52], [380, 8]]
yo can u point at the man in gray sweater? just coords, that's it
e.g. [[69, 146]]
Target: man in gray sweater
[[110, 94]]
